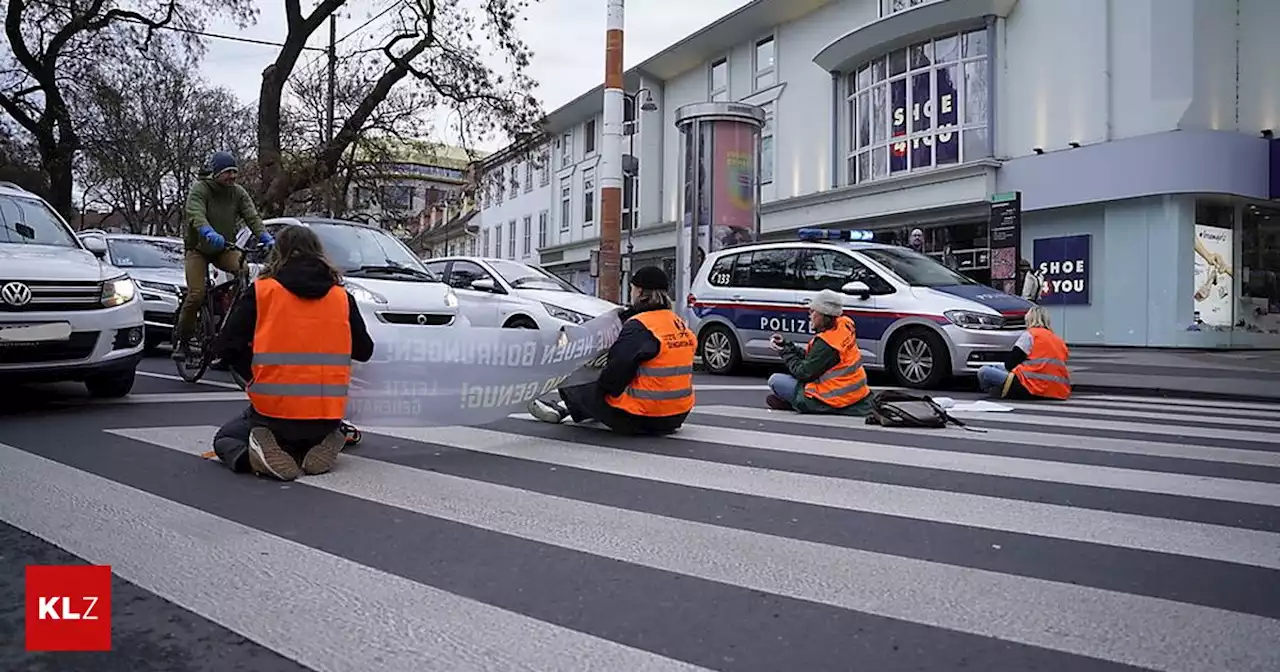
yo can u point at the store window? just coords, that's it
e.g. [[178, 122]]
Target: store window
[[918, 108], [1260, 269]]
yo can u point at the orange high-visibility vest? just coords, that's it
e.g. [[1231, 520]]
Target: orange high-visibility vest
[[845, 384], [301, 354], [1044, 372], [664, 385]]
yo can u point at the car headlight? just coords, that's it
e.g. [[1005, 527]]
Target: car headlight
[[118, 291], [366, 295], [971, 320], [451, 298], [158, 287], [565, 314]]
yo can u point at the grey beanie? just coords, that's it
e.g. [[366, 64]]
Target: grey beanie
[[829, 303]]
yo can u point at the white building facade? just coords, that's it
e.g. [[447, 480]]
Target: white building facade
[[514, 217], [1137, 132]]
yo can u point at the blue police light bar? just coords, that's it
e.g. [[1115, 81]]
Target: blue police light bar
[[833, 234]]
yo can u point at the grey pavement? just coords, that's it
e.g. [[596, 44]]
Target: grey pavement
[[1104, 533], [1208, 374]]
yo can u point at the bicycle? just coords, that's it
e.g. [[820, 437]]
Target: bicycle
[[214, 310]]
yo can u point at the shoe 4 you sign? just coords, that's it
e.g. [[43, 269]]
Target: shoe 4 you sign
[[1063, 264]]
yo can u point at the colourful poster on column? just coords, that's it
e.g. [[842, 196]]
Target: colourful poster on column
[[733, 219], [1214, 281]]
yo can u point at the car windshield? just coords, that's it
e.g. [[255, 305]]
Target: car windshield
[[28, 221], [361, 250], [524, 276], [914, 268], [145, 253]]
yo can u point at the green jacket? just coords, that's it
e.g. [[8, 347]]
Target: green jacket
[[807, 367], [223, 208]]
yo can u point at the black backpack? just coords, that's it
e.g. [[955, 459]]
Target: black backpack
[[891, 408]]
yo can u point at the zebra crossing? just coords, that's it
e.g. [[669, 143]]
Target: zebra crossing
[[1103, 533]]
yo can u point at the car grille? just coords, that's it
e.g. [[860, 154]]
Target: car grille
[[416, 319], [79, 346], [55, 296], [1015, 322]]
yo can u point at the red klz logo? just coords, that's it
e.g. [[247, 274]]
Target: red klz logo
[[68, 608]]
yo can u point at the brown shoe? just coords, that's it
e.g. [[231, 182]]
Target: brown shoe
[[267, 458], [324, 455]]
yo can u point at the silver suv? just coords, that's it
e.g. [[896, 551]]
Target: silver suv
[[65, 313]]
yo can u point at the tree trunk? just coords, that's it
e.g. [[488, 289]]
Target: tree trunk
[[58, 161]]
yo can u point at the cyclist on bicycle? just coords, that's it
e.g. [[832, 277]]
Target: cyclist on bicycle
[[215, 207]]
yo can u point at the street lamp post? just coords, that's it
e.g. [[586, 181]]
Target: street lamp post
[[641, 100]]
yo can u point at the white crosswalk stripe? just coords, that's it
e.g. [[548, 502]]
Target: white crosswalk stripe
[[1100, 532]]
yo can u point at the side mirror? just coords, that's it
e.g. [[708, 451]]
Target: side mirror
[[484, 285], [96, 245], [857, 288]]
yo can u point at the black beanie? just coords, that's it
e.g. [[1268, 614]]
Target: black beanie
[[651, 278]]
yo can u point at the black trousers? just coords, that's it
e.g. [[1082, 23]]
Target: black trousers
[[587, 402], [296, 437]]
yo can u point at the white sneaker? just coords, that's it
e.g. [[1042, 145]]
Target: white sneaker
[[547, 412]]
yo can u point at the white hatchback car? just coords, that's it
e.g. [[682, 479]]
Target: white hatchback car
[[516, 295], [65, 313]]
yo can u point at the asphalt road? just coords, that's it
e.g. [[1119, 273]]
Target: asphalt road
[[1105, 533]]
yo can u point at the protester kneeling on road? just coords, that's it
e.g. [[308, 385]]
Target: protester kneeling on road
[[294, 336], [1038, 363], [646, 386], [826, 377]]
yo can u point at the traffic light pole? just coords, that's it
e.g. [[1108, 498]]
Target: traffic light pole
[[608, 287]]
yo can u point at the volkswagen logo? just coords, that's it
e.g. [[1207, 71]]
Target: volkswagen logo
[[422, 320], [15, 294]]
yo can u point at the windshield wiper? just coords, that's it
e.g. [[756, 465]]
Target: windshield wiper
[[392, 267]]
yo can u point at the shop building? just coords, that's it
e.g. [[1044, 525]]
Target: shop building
[[1136, 134]]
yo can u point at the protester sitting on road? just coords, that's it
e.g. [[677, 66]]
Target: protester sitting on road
[[826, 377], [646, 387], [1038, 363], [295, 335], [214, 208]]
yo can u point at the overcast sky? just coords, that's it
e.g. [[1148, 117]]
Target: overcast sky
[[567, 37]]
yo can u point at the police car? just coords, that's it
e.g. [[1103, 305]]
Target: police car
[[916, 318]]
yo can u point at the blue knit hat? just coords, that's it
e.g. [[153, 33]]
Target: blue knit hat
[[220, 162]]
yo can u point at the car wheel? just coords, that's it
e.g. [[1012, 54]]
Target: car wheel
[[919, 359], [520, 323], [719, 350], [110, 385]]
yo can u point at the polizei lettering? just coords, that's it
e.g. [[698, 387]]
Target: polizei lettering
[[786, 325]]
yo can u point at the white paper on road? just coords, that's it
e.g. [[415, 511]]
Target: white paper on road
[[471, 376], [979, 406]]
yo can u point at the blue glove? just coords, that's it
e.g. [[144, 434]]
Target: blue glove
[[265, 239], [214, 238]]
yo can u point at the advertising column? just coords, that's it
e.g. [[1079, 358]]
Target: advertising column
[[719, 204]]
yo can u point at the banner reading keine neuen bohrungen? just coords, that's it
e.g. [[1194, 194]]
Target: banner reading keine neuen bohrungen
[[469, 375]]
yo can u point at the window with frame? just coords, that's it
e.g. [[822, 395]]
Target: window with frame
[[528, 176], [499, 189], [542, 229], [497, 241], [830, 269], [766, 63], [766, 144], [918, 108], [888, 7], [566, 149], [589, 137], [471, 247], [544, 168], [515, 180], [719, 84], [588, 197], [566, 203], [485, 233], [511, 239]]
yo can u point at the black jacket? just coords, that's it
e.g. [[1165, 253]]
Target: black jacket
[[303, 278]]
